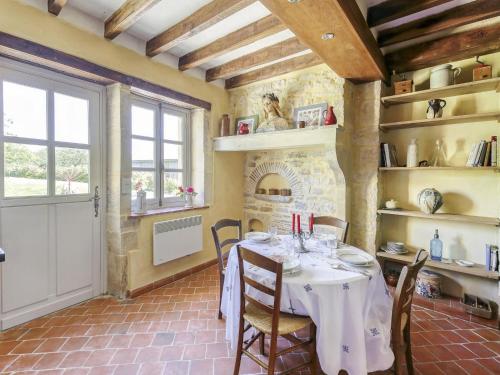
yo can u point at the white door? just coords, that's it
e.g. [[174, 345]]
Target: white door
[[50, 168]]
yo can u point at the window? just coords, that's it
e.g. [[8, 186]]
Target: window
[[45, 140], [160, 151]]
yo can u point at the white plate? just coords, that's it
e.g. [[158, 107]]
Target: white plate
[[384, 248], [356, 258], [290, 264], [258, 236], [464, 263]]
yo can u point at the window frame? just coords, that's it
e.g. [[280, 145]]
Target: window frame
[[52, 85], [160, 109]]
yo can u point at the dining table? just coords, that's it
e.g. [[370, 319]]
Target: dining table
[[350, 306]]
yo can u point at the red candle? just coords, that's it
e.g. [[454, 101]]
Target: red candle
[[311, 222], [293, 223], [298, 223]]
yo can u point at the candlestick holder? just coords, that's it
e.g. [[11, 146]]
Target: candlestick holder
[[302, 236]]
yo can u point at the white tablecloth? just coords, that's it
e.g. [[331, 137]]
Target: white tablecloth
[[352, 311]]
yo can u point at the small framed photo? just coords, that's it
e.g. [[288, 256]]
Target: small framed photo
[[247, 125], [309, 116]]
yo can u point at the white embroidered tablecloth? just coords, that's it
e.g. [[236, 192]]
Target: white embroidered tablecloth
[[352, 311]]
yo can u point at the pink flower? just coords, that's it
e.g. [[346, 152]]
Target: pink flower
[[190, 189]]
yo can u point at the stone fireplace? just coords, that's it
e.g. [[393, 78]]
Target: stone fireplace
[[312, 174]]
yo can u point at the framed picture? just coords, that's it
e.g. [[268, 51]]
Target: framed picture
[[246, 125], [312, 115]]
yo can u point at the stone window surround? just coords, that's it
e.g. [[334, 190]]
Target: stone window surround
[[121, 228]]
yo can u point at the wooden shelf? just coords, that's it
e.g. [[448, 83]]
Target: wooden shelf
[[292, 138], [451, 120], [455, 168], [448, 217], [455, 90], [476, 270]]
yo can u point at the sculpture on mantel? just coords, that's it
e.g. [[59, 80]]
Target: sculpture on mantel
[[273, 116]]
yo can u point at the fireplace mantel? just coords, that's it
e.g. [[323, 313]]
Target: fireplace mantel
[[293, 138]]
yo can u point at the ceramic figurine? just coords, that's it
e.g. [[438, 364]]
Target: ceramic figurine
[[330, 118], [430, 200], [435, 109], [273, 116]]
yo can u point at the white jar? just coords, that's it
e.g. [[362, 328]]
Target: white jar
[[141, 202], [412, 154], [443, 75]]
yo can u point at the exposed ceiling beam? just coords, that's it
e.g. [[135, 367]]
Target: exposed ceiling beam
[[352, 54], [55, 6], [126, 16], [200, 20], [455, 17], [263, 56], [393, 9], [274, 70], [251, 33], [450, 48]]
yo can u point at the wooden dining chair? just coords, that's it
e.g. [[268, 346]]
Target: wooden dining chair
[[401, 314], [268, 319], [333, 222], [219, 247]]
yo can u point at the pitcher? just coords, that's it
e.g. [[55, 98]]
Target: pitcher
[[435, 109]]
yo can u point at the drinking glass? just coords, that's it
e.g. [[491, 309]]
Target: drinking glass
[[332, 244], [273, 231]]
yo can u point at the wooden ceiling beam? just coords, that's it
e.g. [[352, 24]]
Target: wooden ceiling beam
[[263, 56], [126, 16], [393, 9], [353, 53], [462, 15], [55, 6], [451, 48], [203, 18], [274, 70], [251, 33]]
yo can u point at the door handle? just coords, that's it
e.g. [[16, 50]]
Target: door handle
[[96, 198], [2, 255]]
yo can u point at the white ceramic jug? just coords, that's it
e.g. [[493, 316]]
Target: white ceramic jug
[[443, 75]]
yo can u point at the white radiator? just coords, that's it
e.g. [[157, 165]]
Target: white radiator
[[174, 239]]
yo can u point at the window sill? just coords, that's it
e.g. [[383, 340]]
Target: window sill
[[165, 210]]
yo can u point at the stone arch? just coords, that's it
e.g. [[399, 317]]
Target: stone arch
[[282, 169]]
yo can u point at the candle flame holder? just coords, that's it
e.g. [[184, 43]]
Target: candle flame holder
[[302, 237]]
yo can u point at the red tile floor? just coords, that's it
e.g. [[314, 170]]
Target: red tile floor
[[174, 330]]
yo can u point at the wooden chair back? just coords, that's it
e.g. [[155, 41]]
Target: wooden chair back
[[260, 261], [334, 222], [219, 246], [401, 308]]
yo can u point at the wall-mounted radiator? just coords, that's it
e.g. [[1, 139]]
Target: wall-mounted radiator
[[174, 239]]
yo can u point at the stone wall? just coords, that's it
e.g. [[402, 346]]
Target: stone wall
[[315, 177]]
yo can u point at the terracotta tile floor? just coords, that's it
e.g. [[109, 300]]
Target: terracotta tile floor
[[174, 330]]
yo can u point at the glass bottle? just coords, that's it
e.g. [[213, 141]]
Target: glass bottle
[[436, 248], [438, 157]]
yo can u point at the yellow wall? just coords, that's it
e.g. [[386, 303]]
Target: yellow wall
[[41, 27], [465, 192]]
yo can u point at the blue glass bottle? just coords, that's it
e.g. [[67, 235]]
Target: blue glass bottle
[[436, 247]]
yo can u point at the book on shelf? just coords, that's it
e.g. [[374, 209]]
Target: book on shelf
[[492, 259], [388, 156], [483, 154]]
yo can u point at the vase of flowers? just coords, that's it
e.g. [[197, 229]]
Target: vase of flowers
[[140, 202], [187, 193]]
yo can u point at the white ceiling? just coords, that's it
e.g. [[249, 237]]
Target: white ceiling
[[91, 14]]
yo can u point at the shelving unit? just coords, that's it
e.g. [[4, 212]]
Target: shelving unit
[[450, 120], [451, 168], [476, 270], [483, 220], [492, 84], [479, 120]]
